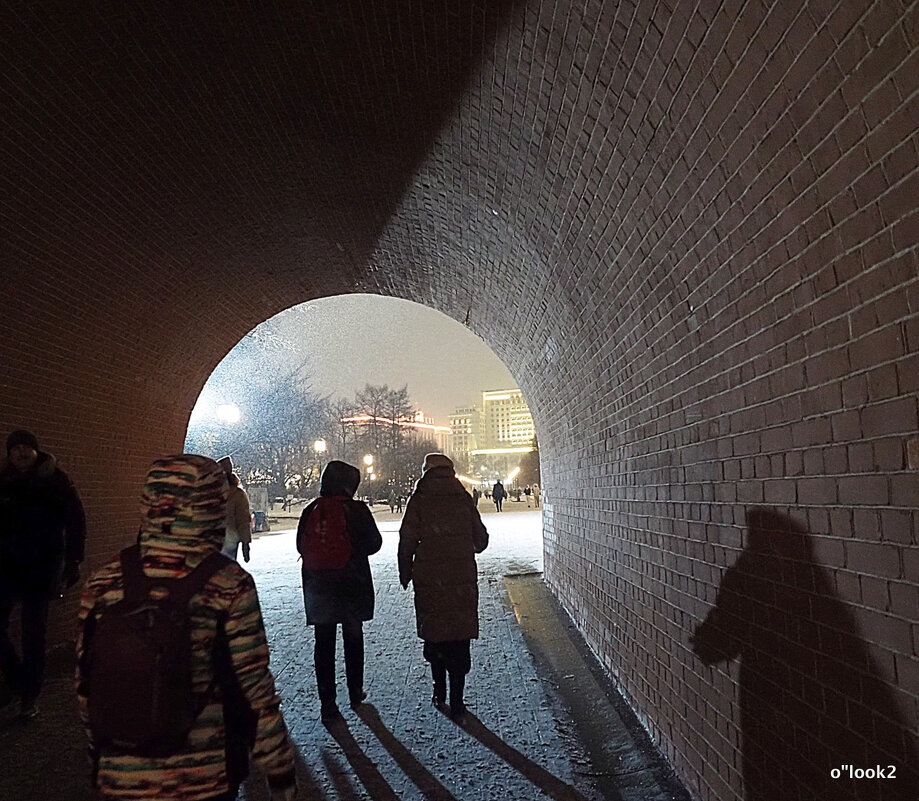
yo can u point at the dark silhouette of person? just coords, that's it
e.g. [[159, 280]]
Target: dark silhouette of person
[[42, 537], [498, 494], [811, 699]]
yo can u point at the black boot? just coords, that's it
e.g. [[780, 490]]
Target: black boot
[[457, 707], [329, 712], [439, 672]]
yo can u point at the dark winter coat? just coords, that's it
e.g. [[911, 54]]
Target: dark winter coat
[[441, 533], [498, 492], [42, 525], [345, 594]]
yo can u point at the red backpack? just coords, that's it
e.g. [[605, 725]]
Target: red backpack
[[326, 544]]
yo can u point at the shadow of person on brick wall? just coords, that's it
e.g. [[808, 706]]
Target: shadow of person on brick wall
[[811, 699]]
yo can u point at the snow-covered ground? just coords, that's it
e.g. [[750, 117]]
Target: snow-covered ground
[[515, 546]]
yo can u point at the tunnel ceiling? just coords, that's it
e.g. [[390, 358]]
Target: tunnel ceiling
[[245, 158]]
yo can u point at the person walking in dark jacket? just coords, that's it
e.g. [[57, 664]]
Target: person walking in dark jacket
[[498, 494], [440, 535], [338, 595], [42, 535]]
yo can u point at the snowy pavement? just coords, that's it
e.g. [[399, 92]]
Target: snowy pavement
[[400, 746], [520, 741]]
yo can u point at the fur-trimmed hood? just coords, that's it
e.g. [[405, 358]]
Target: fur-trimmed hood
[[439, 481], [42, 470]]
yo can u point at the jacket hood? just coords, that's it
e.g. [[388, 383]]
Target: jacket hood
[[184, 505], [339, 478], [42, 470], [439, 481]]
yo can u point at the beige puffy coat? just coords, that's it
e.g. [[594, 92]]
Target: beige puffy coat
[[441, 533]]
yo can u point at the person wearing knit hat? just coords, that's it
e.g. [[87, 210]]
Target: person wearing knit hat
[[433, 460], [42, 536], [440, 535], [183, 511]]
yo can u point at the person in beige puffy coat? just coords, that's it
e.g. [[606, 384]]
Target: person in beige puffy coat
[[440, 535], [239, 515]]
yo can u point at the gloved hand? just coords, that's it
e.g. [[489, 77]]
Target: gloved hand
[[71, 574], [245, 546], [285, 794]]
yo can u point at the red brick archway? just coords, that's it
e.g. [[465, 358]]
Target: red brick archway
[[708, 215]]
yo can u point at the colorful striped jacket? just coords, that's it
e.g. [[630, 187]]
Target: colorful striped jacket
[[172, 551]]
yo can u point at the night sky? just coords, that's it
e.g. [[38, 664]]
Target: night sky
[[355, 339]]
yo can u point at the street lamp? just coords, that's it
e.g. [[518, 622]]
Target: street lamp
[[368, 460], [228, 413], [320, 446]]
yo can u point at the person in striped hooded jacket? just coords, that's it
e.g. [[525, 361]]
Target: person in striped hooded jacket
[[183, 510]]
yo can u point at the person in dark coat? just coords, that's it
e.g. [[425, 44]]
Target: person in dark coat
[[340, 595], [440, 535], [42, 535], [498, 494]]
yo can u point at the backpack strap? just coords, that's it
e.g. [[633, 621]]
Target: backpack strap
[[181, 590], [132, 570], [185, 588]]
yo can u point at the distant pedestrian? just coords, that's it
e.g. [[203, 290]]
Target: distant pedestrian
[[400, 502], [42, 535], [498, 494], [183, 507], [440, 535], [476, 496], [392, 502], [335, 536], [239, 515], [536, 497], [529, 493]]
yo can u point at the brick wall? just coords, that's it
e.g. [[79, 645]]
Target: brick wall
[[688, 228]]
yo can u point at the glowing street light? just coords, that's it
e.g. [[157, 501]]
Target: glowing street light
[[368, 459], [228, 413], [320, 446]]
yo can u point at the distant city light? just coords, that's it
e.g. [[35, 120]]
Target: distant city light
[[367, 418], [373, 476], [368, 459], [498, 451], [512, 475], [228, 413], [320, 446]]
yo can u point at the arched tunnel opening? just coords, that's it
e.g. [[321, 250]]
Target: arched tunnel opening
[[688, 228], [378, 383]]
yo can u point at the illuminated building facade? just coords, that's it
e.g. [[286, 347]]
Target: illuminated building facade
[[488, 440]]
